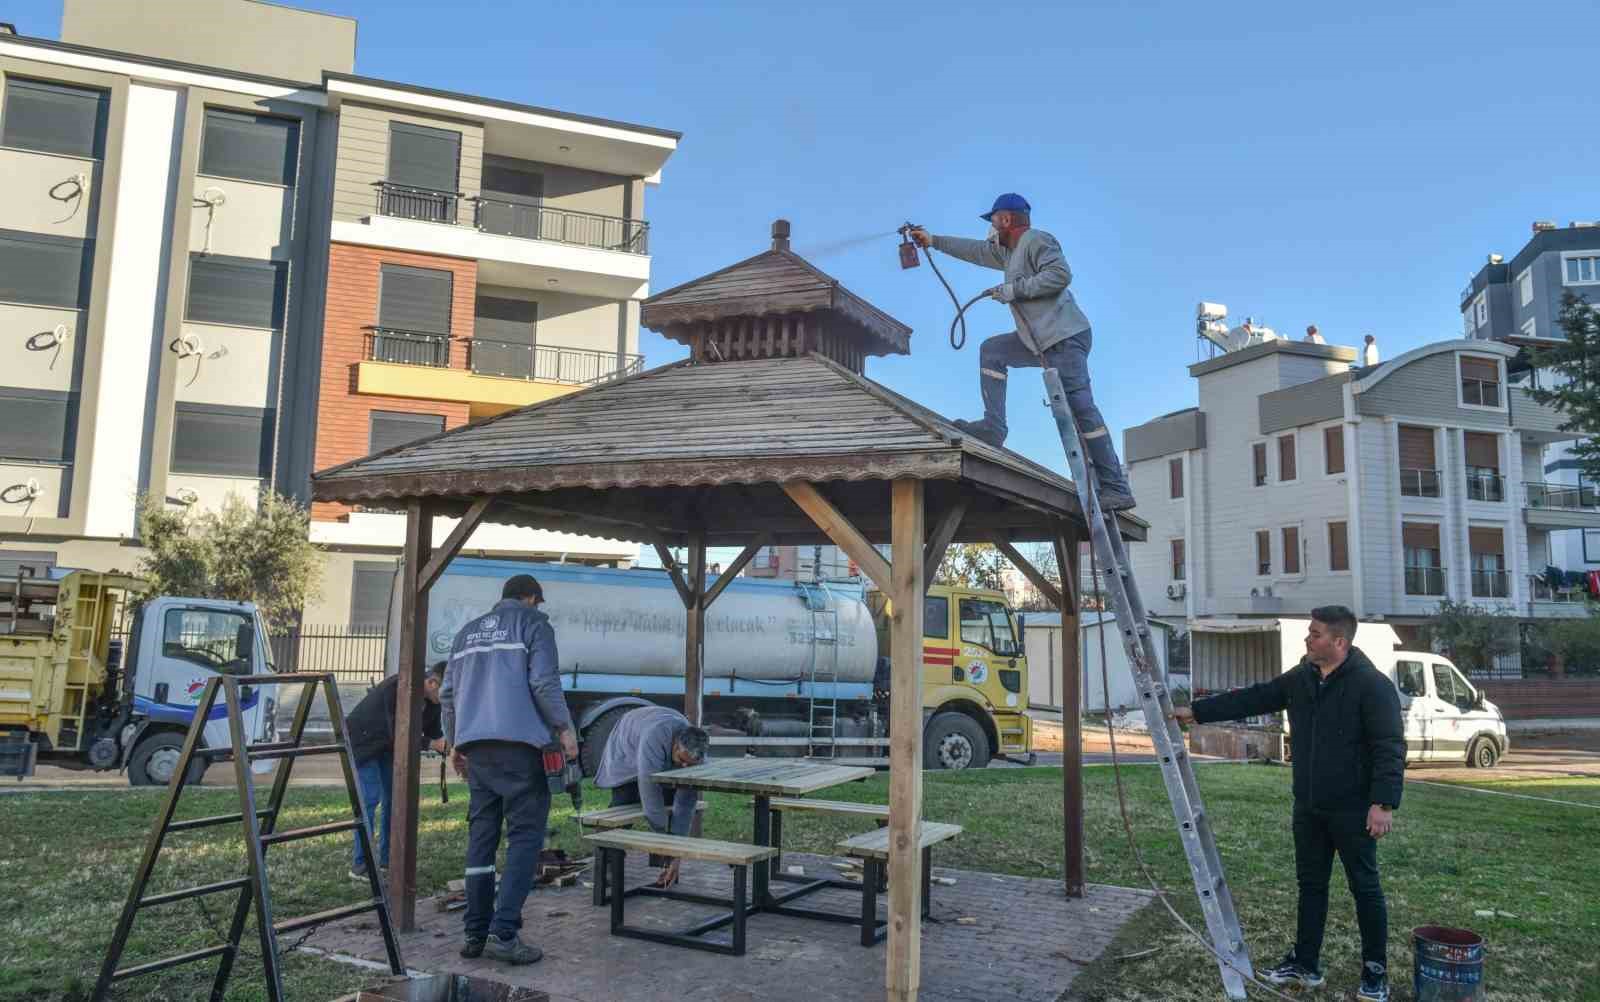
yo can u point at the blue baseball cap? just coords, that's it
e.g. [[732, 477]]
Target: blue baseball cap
[[1009, 202]]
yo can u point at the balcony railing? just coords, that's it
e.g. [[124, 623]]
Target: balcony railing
[[1486, 487], [1482, 392], [405, 201], [1570, 497], [1424, 580], [1490, 584], [533, 221], [1419, 483], [504, 359]]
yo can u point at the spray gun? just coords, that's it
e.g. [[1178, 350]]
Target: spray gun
[[908, 247]]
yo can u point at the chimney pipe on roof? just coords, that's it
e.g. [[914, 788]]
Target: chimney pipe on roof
[[780, 234]]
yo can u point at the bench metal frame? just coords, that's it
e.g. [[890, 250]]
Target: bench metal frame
[[614, 861]]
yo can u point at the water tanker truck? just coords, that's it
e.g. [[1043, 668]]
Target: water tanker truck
[[789, 668]]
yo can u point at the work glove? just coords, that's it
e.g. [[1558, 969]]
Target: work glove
[[1004, 293]]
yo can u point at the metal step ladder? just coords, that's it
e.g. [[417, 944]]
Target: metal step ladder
[[1194, 827], [822, 707], [259, 833]]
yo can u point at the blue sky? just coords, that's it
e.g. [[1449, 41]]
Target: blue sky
[[1347, 164]]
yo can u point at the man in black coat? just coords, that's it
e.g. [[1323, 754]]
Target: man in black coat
[[1349, 754], [371, 729]]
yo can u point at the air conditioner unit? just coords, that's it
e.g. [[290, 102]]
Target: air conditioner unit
[[1265, 591], [1177, 590]]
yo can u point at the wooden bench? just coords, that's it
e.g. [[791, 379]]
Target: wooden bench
[[877, 812], [872, 849], [613, 847], [611, 818]]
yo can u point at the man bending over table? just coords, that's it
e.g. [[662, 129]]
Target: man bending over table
[[648, 740]]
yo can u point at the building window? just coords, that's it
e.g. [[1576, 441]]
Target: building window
[[1258, 456], [1419, 473], [1582, 270], [250, 147], [1525, 287], [371, 584], [1291, 549], [391, 428], [1338, 546], [425, 165], [1286, 464], [413, 316], [1484, 482], [1175, 478], [214, 440], [54, 118], [40, 269], [1480, 381], [1177, 560], [1423, 573], [504, 332], [1530, 327], [1333, 449], [1466, 322], [1481, 308], [242, 292], [37, 426], [1263, 553], [1488, 562]]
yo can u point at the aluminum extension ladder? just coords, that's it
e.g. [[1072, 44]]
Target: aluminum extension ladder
[[259, 832], [1194, 827]]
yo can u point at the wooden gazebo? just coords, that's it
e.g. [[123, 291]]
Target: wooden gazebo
[[770, 434]]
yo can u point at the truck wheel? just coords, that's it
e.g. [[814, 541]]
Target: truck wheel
[[156, 758], [1483, 754], [954, 741], [594, 743]]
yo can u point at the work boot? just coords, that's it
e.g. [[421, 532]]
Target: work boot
[[472, 947], [513, 950], [1290, 973], [1374, 983], [1115, 501], [358, 872], [982, 431]]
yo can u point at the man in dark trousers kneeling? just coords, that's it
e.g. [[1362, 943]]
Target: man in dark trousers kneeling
[[1349, 767], [503, 705], [648, 740], [371, 729]]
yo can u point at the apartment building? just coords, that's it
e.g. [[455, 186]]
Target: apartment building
[[1301, 481], [1518, 302], [226, 260]]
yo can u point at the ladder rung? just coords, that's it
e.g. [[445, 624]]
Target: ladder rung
[[319, 918], [295, 834], [194, 892], [215, 819], [297, 752], [166, 962]]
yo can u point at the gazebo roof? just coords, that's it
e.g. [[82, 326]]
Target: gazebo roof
[[688, 446]]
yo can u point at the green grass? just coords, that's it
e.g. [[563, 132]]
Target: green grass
[[66, 860]]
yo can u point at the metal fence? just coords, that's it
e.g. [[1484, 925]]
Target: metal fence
[[533, 221], [353, 653], [404, 201]]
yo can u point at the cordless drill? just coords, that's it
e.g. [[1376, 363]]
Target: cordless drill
[[563, 775]]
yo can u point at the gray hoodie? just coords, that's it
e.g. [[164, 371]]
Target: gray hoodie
[[1038, 275], [502, 683], [639, 747]]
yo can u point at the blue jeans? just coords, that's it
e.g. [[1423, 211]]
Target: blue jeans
[[508, 787], [1070, 359], [376, 779]]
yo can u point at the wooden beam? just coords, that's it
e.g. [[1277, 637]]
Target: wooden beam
[[1066, 546], [844, 535], [408, 717], [944, 532], [694, 634], [452, 543], [1051, 593], [904, 974], [670, 562], [728, 576]]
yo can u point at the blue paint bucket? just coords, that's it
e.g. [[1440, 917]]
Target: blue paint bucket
[[1447, 964]]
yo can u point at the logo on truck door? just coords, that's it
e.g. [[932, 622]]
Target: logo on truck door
[[978, 672]]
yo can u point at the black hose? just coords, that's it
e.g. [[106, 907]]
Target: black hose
[[961, 309]]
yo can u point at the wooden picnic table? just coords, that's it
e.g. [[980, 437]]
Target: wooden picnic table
[[764, 779]]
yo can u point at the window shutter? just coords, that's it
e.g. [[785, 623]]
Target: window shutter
[[54, 118], [250, 147], [221, 441], [1486, 541], [1177, 560], [1264, 551], [1175, 478], [1483, 450], [1258, 453], [1416, 448], [1485, 369], [1338, 546], [510, 320], [370, 583], [1419, 536], [415, 299], [1286, 464], [424, 158], [1291, 550], [237, 290], [38, 426], [40, 269], [391, 428], [1333, 448]]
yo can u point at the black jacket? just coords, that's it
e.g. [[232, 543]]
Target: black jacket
[[1349, 741], [371, 723]]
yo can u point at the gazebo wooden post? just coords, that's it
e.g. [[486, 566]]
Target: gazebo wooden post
[[1066, 546], [904, 973], [408, 716], [694, 633]]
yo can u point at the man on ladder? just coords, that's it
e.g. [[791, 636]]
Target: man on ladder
[[1049, 326]]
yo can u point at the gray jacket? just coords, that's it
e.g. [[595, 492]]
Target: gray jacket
[[501, 683], [640, 746], [1038, 275]]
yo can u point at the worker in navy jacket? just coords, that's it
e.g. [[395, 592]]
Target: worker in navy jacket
[[1349, 754]]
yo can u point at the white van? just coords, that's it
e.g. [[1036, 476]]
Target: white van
[[1447, 718]]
